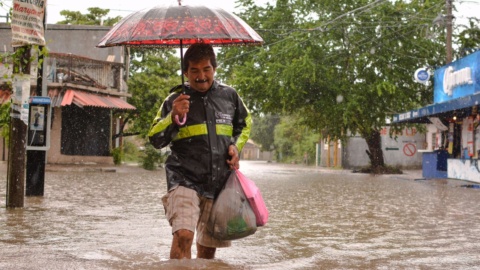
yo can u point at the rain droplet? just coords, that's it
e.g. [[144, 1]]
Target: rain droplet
[[339, 99]]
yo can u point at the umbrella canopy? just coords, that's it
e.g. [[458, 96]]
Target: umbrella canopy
[[174, 26]]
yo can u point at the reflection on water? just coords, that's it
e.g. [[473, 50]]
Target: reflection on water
[[105, 220]]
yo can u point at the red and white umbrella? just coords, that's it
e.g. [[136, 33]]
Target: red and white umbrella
[[179, 26], [172, 26]]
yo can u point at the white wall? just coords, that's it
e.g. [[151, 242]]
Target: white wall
[[402, 152], [464, 169]]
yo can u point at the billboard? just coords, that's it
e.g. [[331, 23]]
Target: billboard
[[28, 22], [458, 79]]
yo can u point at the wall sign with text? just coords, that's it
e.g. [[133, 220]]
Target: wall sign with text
[[27, 22]]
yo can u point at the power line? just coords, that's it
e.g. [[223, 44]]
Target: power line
[[337, 23], [350, 12]]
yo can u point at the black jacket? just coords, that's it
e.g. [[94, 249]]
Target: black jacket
[[199, 149]]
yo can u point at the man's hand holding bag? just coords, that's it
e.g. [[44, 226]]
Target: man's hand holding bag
[[232, 216], [238, 209]]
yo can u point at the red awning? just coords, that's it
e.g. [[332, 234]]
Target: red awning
[[83, 99]]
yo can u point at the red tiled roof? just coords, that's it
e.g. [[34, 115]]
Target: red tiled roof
[[82, 99]]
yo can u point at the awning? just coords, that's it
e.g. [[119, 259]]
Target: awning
[[460, 107], [84, 99]]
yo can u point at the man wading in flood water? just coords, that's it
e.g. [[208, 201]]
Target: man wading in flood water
[[204, 151]]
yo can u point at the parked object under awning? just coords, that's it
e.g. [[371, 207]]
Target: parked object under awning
[[83, 99], [458, 107]]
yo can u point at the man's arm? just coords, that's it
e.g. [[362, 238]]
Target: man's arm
[[242, 125], [163, 129], [241, 132]]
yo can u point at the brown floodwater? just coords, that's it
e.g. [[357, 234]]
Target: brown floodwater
[[318, 220]]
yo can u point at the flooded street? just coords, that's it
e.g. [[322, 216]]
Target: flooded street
[[318, 220]]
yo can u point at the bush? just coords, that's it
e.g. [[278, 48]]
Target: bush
[[151, 158], [117, 155], [131, 153]]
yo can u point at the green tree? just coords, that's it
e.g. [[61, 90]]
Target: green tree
[[294, 140], [345, 65], [263, 129], [94, 17], [5, 120], [469, 38]]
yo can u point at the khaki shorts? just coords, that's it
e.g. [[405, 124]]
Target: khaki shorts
[[185, 209]]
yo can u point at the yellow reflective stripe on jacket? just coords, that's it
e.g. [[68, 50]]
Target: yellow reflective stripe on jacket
[[201, 129], [225, 130], [161, 125], [243, 138], [191, 131]]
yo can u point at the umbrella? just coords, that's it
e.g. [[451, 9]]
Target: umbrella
[[178, 26]]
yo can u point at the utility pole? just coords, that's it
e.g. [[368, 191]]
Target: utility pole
[[17, 145], [27, 31], [449, 23]]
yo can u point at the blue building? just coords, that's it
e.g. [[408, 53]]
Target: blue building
[[453, 137]]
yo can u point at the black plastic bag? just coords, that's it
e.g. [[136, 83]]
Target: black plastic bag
[[232, 216]]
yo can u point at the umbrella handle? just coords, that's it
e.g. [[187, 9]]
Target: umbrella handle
[[180, 123]]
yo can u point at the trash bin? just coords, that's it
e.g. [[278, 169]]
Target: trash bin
[[442, 157], [434, 164]]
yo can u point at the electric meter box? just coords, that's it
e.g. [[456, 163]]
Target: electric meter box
[[39, 123]]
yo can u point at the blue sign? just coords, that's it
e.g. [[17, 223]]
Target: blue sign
[[421, 75], [457, 79], [40, 100]]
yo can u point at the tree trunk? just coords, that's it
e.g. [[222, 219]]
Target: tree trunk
[[374, 152]]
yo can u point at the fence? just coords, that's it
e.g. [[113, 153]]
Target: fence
[[67, 68]]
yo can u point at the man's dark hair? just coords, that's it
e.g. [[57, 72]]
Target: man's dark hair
[[198, 52]]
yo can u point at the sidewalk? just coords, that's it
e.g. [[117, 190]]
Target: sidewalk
[[93, 167]]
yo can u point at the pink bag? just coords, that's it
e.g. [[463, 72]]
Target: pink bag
[[254, 197]]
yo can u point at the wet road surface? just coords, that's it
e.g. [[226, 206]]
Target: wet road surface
[[319, 219]]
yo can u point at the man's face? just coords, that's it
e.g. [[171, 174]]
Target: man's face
[[200, 75]]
